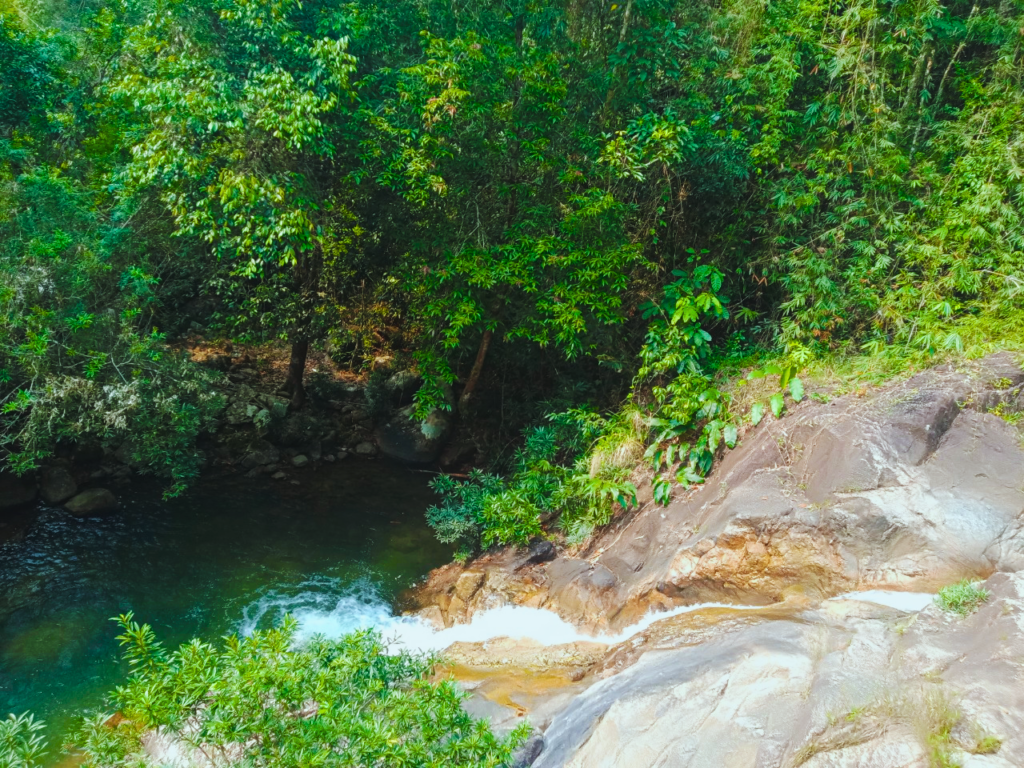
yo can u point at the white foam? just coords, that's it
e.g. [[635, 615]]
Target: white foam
[[911, 602], [321, 610]]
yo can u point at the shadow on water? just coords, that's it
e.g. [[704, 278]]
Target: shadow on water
[[233, 555]]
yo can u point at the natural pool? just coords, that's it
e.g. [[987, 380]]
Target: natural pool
[[234, 554]]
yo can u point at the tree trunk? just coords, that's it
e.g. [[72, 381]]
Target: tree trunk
[[474, 375], [296, 371]]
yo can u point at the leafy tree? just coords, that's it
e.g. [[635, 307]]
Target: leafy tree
[[237, 102], [80, 356]]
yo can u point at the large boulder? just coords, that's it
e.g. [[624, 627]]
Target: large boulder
[[402, 387], [57, 485], [260, 453], [15, 491], [95, 501], [405, 438]]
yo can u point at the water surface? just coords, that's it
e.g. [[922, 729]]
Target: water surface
[[231, 556]]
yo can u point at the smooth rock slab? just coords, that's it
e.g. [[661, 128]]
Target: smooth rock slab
[[95, 501]]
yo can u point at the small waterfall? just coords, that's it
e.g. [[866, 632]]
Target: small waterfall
[[323, 609]]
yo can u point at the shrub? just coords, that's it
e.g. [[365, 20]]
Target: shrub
[[553, 473], [265, 703], [21, 745]]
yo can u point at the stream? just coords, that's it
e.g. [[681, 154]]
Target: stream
[[232, 556]]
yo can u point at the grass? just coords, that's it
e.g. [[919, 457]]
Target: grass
[[936, 717], [962, 598], [1009, 416], [987, 745]]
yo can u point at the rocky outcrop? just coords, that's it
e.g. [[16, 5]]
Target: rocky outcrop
[[910, 488], [848, 684]]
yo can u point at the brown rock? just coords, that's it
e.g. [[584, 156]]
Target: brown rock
[[467, 584]]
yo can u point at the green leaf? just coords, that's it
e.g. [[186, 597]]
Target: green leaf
[[777, 403], [730, 433], [756, 413], [796, 389]]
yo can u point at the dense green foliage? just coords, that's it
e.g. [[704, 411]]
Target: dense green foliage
[[553, 473], [262, 701], [542, 205]]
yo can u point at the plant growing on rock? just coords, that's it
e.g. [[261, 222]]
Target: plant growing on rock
[[962, 598]]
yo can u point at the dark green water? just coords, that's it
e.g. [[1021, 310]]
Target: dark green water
[[233, 555]]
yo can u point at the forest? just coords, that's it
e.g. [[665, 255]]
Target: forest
[[631, 228], [601, 210]]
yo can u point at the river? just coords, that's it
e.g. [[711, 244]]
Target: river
[[233, 555]]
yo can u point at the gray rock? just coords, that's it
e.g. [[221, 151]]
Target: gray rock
[[278, 476], [95, 501], [366, 449], [260, 453], [279, 409], [402, 387], [407, 439], [848, 685], [56, 485], [527, 754], [300, 460]]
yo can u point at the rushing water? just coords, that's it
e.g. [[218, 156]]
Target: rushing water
[[232, 556]]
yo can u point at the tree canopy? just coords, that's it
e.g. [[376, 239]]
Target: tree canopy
[[601, 201]]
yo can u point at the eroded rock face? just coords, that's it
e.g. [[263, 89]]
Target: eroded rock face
[[848, 684], [911, 488]]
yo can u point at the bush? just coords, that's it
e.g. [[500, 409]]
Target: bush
[[553, 473], [264, 703]]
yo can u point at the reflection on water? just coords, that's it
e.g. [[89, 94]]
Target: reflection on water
[[203, 566]]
